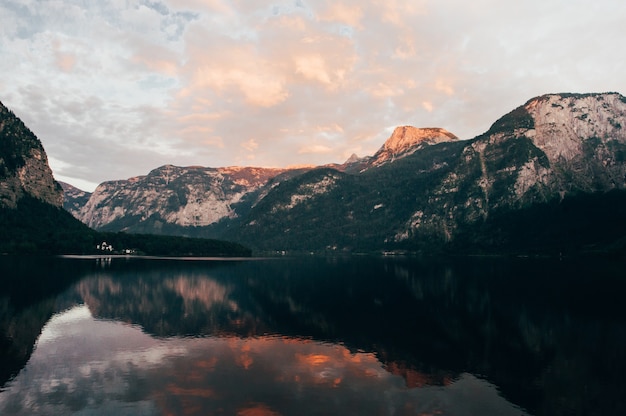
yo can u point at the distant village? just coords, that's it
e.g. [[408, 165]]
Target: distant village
[[108, 248]]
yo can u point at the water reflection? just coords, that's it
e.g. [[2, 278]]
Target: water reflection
[[119, 368], [28, 290], [326, 336]]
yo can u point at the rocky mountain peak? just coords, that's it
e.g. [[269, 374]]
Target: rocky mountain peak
[[352, 159], [405, 140], [24, 168]]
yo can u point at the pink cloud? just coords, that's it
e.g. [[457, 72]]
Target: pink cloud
[[315, 148], [343, 13]]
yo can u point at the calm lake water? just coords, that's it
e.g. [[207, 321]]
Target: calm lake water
[[312, 336]]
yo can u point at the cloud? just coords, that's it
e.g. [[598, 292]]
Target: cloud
[[250, 145], [263, 88], [346, 14], [64, 56], [313, 67], [444, 86], [194, 81], [315, 148]]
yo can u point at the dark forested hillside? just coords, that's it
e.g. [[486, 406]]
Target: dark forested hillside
[[35, 227]]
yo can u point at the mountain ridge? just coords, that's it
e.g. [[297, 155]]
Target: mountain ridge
[[403, 141], [424, 187]]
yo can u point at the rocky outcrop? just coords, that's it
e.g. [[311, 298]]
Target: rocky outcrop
[[406, 140], [24, 168], [73, 198], [583, 138], [183, 196]]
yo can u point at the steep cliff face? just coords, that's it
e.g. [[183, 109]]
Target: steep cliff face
[[24, 168], [553, 146], [583, 137], [184, 196]]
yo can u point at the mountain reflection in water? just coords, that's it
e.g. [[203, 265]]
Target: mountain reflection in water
[[321, 336]]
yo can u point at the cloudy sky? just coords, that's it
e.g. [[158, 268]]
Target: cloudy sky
[[115, 88]]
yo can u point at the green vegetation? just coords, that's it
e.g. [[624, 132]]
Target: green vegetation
[[516, 119], [582, 223], [355, 213], [35, 227], [39, 228], [15, 142], [364, 212], [161, 245]]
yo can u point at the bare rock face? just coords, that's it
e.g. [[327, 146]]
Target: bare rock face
[[73, 198], [24, 168], [583, 135], [184, 196], [406, 140]]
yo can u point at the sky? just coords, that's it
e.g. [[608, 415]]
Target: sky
[[116, 88]]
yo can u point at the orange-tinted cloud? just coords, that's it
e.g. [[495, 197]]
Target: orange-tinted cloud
[[348, 14], [315, 149]]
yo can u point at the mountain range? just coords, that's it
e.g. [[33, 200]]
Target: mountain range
[[32, 220], [549, 175]]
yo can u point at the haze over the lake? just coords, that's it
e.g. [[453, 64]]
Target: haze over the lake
[[116, 88]]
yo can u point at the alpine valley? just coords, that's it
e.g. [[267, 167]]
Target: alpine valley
[[32, 220], [548, 177]]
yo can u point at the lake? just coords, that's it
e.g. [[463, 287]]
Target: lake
[[312, 336]]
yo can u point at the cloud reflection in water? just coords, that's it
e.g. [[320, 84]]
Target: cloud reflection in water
[[117, 368]]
